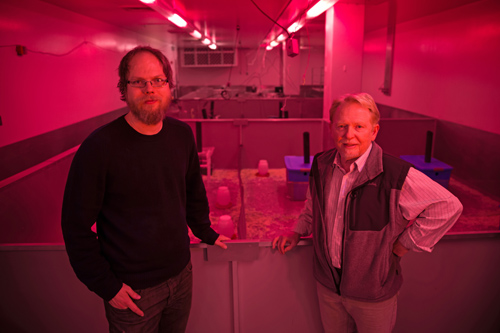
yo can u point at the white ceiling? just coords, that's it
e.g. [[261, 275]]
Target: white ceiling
[[220, 18]]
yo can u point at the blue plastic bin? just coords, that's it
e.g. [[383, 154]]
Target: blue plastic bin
[[297, 176], [435, 169]]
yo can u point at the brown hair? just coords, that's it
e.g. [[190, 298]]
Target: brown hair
[[123, 69]]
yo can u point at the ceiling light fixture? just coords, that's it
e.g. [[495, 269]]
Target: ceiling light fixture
[[281, 38], [296, 26], [166, 10], [274, 43], [318, 9], [177, 20], [269, 48], [196, 34], [212, 46]]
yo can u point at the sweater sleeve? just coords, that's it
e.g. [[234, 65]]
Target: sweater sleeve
[[82, 202], [197, 208]]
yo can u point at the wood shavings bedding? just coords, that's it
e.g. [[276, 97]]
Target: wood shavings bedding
[[269, 212]]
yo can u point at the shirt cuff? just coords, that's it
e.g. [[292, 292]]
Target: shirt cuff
[[302, 228], [406, 240]]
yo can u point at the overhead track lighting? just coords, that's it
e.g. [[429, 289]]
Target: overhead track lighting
[[196, 34], [212, 46], [169, 12], [296, 26], [281, 38], [300, 20], [177, 20], [318, 9]]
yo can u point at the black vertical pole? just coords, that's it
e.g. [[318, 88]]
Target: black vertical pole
[[428, 147], [306, 147], [198, 136]]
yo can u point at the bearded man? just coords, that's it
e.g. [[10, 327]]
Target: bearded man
[[138, 178]]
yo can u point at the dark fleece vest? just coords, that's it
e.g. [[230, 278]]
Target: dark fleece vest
[[372, 223]]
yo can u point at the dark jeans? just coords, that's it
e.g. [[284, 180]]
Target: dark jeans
[[166, 307]]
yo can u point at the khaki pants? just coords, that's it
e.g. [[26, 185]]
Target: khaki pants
[[341, 314]]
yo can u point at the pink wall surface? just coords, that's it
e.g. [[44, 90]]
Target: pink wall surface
[[69, 73], [445, 65]]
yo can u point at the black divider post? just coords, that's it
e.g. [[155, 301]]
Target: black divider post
[[306, 147], [198, 137], [428, 147]]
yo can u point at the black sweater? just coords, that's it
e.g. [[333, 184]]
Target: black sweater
[[141, 190]]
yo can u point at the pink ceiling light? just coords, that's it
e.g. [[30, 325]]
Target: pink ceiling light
[[296, 26], [281, 38], [177, 20], [196, 34], [166, 10], [319, 8]]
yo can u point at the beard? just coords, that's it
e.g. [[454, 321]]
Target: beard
[[148, 114]]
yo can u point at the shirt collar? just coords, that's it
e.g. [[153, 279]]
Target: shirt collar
[[359, 163]]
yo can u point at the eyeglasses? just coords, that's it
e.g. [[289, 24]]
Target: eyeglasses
[[157, 83]]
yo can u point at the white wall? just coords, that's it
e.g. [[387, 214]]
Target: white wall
[[446, 65], [255, 67], [343, 56], [260, 68], [274, 293], [45, 91]]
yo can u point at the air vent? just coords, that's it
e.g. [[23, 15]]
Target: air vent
[[205, 57]]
